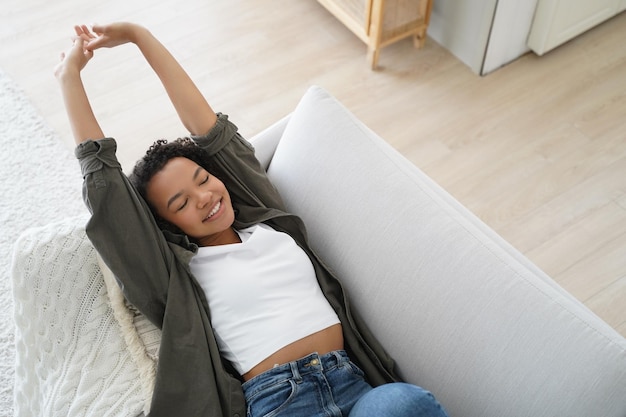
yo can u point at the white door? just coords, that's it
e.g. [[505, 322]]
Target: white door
[[557, 21]]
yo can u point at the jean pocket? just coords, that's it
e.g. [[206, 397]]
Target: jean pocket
[[272, 399]]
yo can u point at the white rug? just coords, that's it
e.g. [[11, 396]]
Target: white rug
[[41, 183]]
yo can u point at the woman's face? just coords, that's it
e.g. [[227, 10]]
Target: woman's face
[[186, 195]]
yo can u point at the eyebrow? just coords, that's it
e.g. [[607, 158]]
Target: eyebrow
[[195, 174], [178, 194]]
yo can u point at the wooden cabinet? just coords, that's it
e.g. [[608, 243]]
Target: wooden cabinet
[[379, 23]]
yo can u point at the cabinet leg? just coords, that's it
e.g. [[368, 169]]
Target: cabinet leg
[[419, 39], [372, 57]]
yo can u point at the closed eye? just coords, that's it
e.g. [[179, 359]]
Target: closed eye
[[183, 205], [204, 181]]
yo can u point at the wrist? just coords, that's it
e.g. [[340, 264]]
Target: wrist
[[64, 74], [136, 33]]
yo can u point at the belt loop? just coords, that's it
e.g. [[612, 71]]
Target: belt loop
[[340, 359], [295, 372]]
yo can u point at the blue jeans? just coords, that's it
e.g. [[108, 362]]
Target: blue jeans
[[332, 386]]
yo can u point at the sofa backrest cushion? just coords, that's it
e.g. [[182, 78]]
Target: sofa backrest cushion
[[463, 313]]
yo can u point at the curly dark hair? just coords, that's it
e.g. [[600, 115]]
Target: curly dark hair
[[157, 156]]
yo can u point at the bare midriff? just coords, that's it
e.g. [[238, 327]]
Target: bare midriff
[[322, 342]]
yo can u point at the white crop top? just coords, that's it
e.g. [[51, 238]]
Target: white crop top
[[262, 293]]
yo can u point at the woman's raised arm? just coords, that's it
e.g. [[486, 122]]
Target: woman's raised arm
[[191, 106], [82, 120]]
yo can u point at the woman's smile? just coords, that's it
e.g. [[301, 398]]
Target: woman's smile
[[213, 212]]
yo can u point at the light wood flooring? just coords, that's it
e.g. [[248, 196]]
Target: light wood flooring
[[536, 149]]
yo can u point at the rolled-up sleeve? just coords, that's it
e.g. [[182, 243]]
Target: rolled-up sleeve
[[92, 155], [123, 230]]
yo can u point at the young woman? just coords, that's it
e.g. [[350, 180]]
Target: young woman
[[199, 240]]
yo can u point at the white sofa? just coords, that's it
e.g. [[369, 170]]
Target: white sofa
[[464, 314]]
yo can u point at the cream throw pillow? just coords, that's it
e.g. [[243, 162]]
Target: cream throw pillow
[[77, 352]]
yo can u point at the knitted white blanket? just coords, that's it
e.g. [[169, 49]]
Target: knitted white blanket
[[73, 356]]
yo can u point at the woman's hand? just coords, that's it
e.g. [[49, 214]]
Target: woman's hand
[[74, 59], [108, 36]]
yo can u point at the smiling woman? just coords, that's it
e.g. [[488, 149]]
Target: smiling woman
[[174, 213]]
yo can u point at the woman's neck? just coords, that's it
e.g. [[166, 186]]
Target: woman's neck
[[227, 237]]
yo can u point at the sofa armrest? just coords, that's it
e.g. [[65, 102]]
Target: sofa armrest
[[266, 141]]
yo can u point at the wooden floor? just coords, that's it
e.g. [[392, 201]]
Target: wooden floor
[[536, 149]]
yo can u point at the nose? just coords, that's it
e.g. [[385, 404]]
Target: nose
[[204, 197]]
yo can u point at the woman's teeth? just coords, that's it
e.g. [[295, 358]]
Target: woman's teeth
[[215, 210]]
